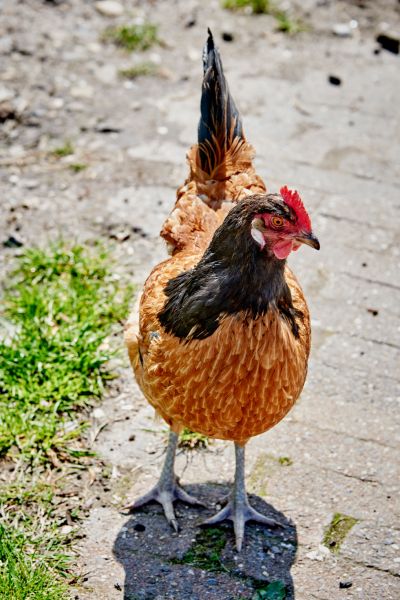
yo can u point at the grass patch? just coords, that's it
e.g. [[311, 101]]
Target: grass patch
[[337, 531], [143, 69], [66, 150], [77, 167], [133, 37], [284, 21], [190, 440], [288, 24], [23, 575], [61, 305], [33, 552], [257, 7], [206, 550]]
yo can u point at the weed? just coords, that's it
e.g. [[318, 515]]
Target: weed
[[133, 37], [276, 590], [285, 461], [77, 167], [66, 150], [285, 22], [288, 24], [337, 530], [140, 70], [258, 7], [192, 440]]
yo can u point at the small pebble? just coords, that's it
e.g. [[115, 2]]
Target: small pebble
[[98, 413], [345, 29], [345, 585], [109, 8], [30, 184], [389, 42], [12, 242], [82, 90], [333, 80], [227, 36]]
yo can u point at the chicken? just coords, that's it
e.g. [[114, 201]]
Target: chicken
[[223, 337]]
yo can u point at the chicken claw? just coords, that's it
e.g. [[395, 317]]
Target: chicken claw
[[238, 508], [167, 489], [239, 513]]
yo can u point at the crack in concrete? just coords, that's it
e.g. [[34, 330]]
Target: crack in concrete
[[343, 434], [379, 342], [358, 370], [359, 478], [392, 286], [373, 567], [352, 220]]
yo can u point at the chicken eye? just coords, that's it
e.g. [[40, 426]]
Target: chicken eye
[[277, 222]]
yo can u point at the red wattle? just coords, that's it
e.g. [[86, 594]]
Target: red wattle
[[282, 249]]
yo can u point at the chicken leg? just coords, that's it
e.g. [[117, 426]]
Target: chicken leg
[[238, 508], [167, 489]]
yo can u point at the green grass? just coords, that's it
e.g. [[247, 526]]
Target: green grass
[[284, 21], [337, 531], [133, 37], [77, 167], [23, 575], [258, 7], [65, 150], [288, 24], [60, 309], [61, 305], [140, 70], [285, 461], [35, 562]]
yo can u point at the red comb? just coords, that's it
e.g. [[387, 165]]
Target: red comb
[[293, 200]]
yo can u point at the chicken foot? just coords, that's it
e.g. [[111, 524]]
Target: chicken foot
[[167, 489], [238, 508]]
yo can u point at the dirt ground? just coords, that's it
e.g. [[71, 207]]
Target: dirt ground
[[337, 451]]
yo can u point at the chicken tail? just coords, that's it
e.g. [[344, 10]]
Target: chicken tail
[[220, 126]]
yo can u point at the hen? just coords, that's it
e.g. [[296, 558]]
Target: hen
[[224, 333]]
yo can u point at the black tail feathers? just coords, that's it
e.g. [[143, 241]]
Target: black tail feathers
[[219, 122]]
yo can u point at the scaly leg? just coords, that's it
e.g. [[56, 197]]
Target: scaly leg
[[238, 508], [167, 490]]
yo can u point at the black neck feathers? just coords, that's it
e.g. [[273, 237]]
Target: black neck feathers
[[233, 276]]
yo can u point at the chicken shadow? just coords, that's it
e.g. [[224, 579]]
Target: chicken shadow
[[201, 562]]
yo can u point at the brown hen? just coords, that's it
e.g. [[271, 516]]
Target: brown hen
[[223, 336]]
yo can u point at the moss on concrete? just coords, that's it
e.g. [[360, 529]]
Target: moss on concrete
[[337, 531]]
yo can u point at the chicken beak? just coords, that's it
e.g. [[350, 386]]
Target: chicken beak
[[310, 239]]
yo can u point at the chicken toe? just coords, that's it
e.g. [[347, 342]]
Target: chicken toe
[[167, 489], [238, 509]]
